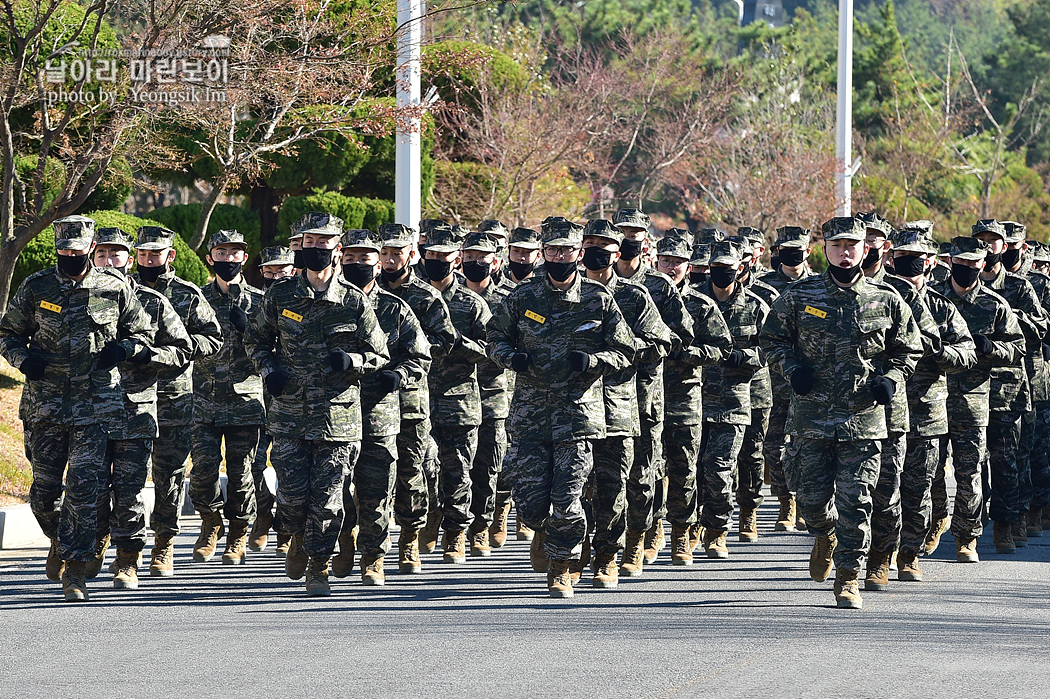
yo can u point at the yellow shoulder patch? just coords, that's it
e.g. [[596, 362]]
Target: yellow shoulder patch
[[816, 312], [293, 315], [48, 306], [532, 315]]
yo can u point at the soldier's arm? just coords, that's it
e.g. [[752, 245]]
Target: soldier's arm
[[653, 337], [712, 342], [135, 332], [260, 337], [778, 335], [676, 316], [1007, 339], [1030, 314], [437, 324], [371, 342], [754, 357], [413, 360], [17, 328], [471, 345], [619, 341], [903, 343], [502, 333], [172, 346], [203, 327], [959, 353]]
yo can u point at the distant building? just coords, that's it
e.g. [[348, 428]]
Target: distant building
[[769, 11]]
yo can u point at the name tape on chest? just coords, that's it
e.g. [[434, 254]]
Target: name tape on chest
[[533, 315], [48, 306], [293, 315], [816, 312]]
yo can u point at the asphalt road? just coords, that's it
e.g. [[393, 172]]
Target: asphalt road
[[753, 625]]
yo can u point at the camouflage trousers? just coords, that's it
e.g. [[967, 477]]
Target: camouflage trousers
[[835, 482], [641, 481], [484, 473], [1004, 436], [720, 445], [457, 445], [69, 515], [369, 504], [920, 464], [886, 500], [207, 451], [121, 510], [613, 458], [773, 449], [264, 499], [1025, 454], [310, 478], [966, 446], [171, 451], [410, 491], [750, 462], [432, 473], [681, 450], [1041, 459], [547, 481]]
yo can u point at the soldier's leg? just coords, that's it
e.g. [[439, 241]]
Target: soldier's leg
[[528, 469], [410, 494], [85, 476], [329, 463], [47, 448], [641, 481], [291, 459], [612, 458], [1040, 460], [1004, 433], [1025, 452], [750, 462], [171, 450], [939, 487], [886, 500], [659, 472], [920, 464], [681, 449], [814, 465], [130, 469], [488, 461], [374, 477], [432, 472], [856, 472], [206, 452], [456, 449], [571, 465], [241, 443], [263, 499], [968, 447], [773, 449], [715, 480]]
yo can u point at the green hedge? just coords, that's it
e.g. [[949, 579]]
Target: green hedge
[[182, 218], [356, 212]]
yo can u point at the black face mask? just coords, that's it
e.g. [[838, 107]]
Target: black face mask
[[267, 283], [297, 260], [991, 260], [437, 269], [844, 275], [774, 261], [964, 276], [151, 274], [477, 271], [596, 259], [227, 271], [560, 271], [317, 259], [520, 270], [697, 277], [359, 273], [73, 265], [1011, 256], [391, 277], [723, 277], [792, 257], [909, 265], [871, 258], [630, 249]]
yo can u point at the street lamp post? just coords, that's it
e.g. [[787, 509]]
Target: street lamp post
[[408, 172], [843, 111]]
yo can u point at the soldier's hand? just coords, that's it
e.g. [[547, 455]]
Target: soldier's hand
[[933, 345], [389, 380], [143, 357], [111, 355], [239, 318], [340, 360], [580, 361], [735, 359], [984, 345], [882, 388], [520, 362], [802, 380], [33, 367], [275, 382]]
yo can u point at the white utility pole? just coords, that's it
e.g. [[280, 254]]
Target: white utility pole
[[844, 111], [408, 182]]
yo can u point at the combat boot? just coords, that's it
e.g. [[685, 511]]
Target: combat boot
[[820, 558], [747, 530], [428, 535], [966, 551], [1034, 523], [212, 530], [577, 566], [878, 577], [933, 539], [1002, 534], [284, 542], [94, 566], [455, 545], [317, 584], [908, 567], [372, 571], [479, 544], [408, 560], [524, 533], [800, 524], [1020, 532], [606, 574], [559, 582], [260, 531], [537, 553], [343, 562], [696, 535], [54, 566], [847, 590], [296, 563], [655, 541], [631, 565], [786, 516], [162, 557], [127, 575], [498, 528], [715, 543], [236, 545], [74, 583], [1045, 520], [681, 554]]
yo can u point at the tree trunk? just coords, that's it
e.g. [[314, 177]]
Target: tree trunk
[[265, 201], [8, 260], [207, 208]]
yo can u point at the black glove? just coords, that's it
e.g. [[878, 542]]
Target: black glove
[[984, 345], [735, 359], [111, 355], [275, 382], [580, 361], [33, 367], [802, 380], [142, 357], [339, 360], [520, 361], [389, 380], [1046, 353], [882, 388], [675, 355], [239, 318]]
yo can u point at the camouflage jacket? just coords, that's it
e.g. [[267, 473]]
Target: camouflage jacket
[[941, 273], [897, 419], [175, 385], [683, 369], [494, 380], [1011, 389], [847, 337], [67, 324], [455, 398], [409, 352], [728, 393], [781, 389], [227, 388], [317, 403], [762, 382], [551, 402], [1038, 369]]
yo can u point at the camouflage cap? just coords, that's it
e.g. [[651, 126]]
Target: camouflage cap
[[227, 238], [74, 233], [603, 228], [276, 255], [525, 238], [913, 240], [1015, 232], [154, 238], [792, 237], [988, 225], [481, 242], [427, 225], [920, 225], [706, 236], [746, 245], [361, 238], [319, 223], [969, 248], [1040, 252], [115, 236], [873, 222], [493, 227], [558, 230], [396, 235], [843, 228], [946, 248], [674, 245], [726, 252], [701, 254], [755, 235], [443, 239], [632, 218]]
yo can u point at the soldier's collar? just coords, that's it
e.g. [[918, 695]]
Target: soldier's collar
[[90, 280], [571, 295], [333, 294], [856, 288]]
